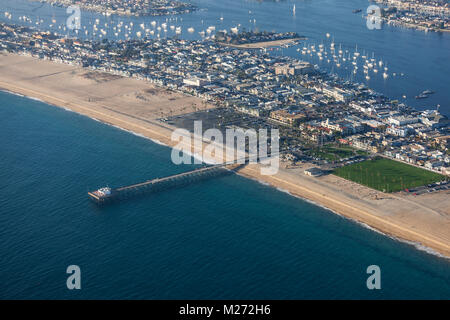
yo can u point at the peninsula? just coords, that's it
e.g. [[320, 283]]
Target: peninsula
[[128, 8], [152, 87], [257, 40], [426, 15]]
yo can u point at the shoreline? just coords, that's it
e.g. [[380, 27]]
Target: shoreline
[[390, 217], [123, 13], [263, 44], [417, 245]]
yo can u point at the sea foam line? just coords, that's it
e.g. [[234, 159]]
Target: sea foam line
[[14, 93], [419, 246], [21, 95]]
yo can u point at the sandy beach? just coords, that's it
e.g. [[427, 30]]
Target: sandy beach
[[137, 105]]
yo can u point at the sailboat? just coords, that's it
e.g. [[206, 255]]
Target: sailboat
[[293, 10], [356, 54]]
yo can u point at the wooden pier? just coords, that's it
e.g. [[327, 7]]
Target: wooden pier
[[158, 184]]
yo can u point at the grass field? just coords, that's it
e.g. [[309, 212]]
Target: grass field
[[387, 175], [334, 152]]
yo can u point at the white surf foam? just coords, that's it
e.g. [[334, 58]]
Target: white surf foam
[[13, 93], [417, 245]]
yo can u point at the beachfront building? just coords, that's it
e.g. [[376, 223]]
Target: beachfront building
[[434, 120], [195, 82], [399, 131], [252, 110], [287, 118], [295, 69], [313, 172], [338, 94], [402, 120]]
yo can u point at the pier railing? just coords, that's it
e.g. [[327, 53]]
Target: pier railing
[[159, 184]]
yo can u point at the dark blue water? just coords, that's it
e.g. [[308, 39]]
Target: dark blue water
[[225, 238], [422, 58]]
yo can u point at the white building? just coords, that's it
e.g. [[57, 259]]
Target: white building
[[195, 82]]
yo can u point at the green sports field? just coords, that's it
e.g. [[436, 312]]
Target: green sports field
[[387, 175], [334, 152]]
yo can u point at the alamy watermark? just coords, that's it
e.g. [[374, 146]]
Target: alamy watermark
[[74, 280], [238, 146], [73, 22], [373, 17], [374, 280]]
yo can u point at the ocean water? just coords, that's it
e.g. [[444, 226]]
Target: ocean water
[[227, 238], [422, 58]]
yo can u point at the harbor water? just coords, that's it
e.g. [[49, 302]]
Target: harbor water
[[416, 61]]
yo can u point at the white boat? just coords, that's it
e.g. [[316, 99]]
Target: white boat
[[356, 54], [103, 192]]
